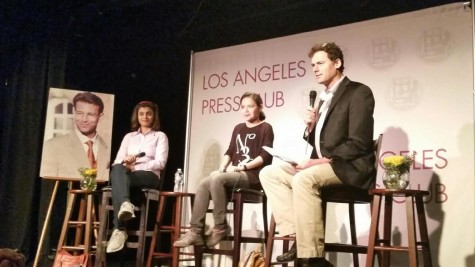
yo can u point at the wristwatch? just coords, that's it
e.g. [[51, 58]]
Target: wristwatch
[[245, 167]]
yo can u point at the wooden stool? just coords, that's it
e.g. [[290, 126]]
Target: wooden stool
[[175, 229], [238, 197], [84, 225], [335, 194], [412, 197], [140, 234], [270, 244]]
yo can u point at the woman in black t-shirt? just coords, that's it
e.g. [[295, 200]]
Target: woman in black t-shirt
[[240, 167]]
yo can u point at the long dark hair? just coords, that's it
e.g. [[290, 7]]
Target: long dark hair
[[135, 125], [257, 98]]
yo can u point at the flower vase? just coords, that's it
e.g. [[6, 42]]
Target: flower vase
[[88, 183], [396, 180]]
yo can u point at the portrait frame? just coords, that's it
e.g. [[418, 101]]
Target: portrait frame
[[62, 153]]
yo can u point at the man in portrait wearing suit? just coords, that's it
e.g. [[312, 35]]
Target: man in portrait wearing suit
[[340, 130], [63, 155]]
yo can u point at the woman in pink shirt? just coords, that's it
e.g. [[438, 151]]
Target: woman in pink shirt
[[142, 156]]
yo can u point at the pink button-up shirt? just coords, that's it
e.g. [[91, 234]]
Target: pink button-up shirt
[[153, 143]]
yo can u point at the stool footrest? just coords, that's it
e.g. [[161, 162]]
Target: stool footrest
[[95, 224], [74, 247], [132, 245], [166, 227], [419, 246], [218, 251], [163, 255], [168, 231], [345, 248], [244, 239], [391, 248], [288, 238]]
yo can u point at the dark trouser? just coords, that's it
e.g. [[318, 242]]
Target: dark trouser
[[215, 187], [122, 182]]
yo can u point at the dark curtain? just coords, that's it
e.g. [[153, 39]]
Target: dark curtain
[[28, 72]]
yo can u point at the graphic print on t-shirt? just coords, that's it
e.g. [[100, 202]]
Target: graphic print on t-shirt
[[241, 147]]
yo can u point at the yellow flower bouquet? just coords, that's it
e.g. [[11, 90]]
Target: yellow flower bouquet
[[89, 176], [398, 164], [397, 168]]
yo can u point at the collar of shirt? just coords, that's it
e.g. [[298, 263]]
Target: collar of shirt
[[83, 139], [327, 95], [139, 132]]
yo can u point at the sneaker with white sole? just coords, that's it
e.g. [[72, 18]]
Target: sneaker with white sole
[[117, 241], [126, 211], [192, 238]]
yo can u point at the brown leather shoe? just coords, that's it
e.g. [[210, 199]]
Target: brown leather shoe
[[290, 255]]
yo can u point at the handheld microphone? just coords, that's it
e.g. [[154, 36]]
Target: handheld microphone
[[139, 155], [312, 97]]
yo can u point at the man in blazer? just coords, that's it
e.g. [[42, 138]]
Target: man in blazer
[[64, 155], [340, 130]]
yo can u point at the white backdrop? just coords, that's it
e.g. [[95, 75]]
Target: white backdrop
[[419, 66]]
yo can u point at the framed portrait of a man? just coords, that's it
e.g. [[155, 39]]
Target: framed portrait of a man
[[77, 134]]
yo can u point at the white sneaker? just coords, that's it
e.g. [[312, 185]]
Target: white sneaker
[[192, 237], [117, 241], [126, 211], [217, 235]]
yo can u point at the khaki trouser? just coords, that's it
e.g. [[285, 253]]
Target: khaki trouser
[[296, 203]]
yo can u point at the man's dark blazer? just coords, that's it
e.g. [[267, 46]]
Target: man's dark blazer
[[347, 134]]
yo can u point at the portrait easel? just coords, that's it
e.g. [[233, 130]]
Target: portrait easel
[[65, 151], [83, 211], [46, 223]]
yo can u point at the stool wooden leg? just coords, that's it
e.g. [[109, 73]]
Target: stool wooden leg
[[156, 231], [354, 239], [142, 230], [270, 242], [411, 233], [67, 217], [94, 218], [198, 251], [421, 215], [387, 227], [237, 217], [87, 234], [176, 230], [264, 218], [100, 254], [81, 217], [373, 230]]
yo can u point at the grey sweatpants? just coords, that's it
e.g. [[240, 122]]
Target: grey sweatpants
[[215, 187]]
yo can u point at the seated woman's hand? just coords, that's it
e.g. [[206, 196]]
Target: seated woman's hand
[[130, 159], [236, 168], [129, 162]]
